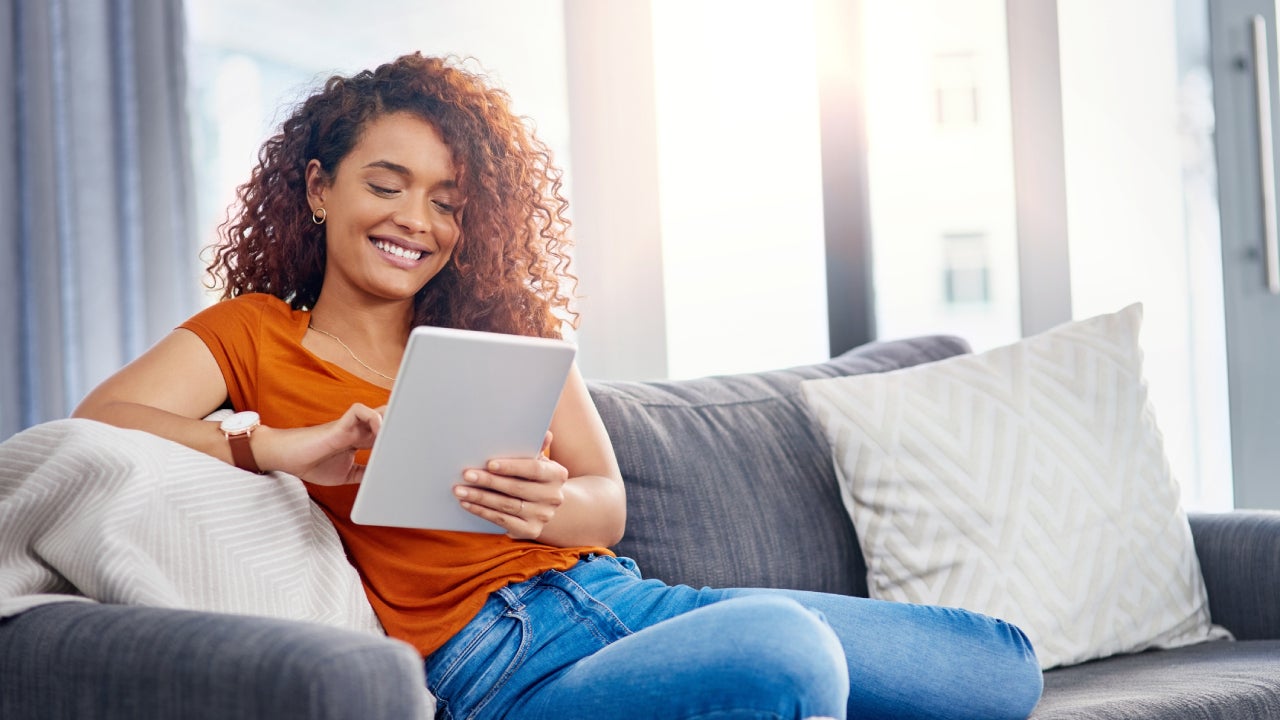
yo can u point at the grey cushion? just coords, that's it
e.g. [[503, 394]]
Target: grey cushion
[[113, 662], [1212, 681], [714, 468], [1240, 557]]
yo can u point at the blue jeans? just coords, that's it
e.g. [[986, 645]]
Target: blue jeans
[[598, 641]]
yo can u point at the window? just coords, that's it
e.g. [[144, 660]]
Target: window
[[966, 277], [1140, 199], [942, 202], [740, 186], [956, 89]]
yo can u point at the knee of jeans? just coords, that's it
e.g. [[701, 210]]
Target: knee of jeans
[[1015, 676], [1025, 671], [783, 649]]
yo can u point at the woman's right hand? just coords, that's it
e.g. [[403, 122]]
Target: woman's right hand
[[321, 454]]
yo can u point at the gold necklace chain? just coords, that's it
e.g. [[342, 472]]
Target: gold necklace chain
[[353, 355]]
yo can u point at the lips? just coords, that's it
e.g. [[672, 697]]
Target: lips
[[396, 250]]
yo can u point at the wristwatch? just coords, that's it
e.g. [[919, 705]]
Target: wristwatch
[[238, 428]]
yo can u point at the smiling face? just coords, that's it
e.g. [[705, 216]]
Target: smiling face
[[391, 210]]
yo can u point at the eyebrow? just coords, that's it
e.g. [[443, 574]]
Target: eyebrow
[[402, 170]]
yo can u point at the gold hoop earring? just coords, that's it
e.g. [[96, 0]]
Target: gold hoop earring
[[318, 216]]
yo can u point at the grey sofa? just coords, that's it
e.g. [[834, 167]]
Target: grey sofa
[[730, 483]]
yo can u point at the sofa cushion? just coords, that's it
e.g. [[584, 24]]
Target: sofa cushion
[[1028, 482], [729, 481], [1212, 681]]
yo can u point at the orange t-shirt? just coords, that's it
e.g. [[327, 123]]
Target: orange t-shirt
[[424, 585]]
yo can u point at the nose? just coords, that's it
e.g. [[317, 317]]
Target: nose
[[413, 216]]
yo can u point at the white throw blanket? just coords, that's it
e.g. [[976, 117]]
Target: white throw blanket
[[89, 511]]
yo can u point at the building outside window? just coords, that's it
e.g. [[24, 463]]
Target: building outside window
[[956, 89], [967, 274]]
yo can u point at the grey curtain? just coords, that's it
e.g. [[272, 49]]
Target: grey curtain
[[97, 249]]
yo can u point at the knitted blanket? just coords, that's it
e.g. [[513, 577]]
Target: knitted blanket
[[93, 512]]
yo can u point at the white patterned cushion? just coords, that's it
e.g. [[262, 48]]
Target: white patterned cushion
[[1028, 483]]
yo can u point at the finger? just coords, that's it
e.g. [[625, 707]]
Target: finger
[[546, 494], [367, 415], [532, 515], [546, 445], [496, 501], [359, 426], [516, 527], [539, 469], [355, 474]]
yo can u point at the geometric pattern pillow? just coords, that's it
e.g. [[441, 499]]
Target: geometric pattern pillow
[[1028, 483]]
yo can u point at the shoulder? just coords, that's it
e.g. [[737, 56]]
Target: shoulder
[[251, 307], [243, 315]]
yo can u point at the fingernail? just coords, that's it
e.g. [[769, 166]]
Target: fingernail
[[460, 492], [493, 465], [470, 476]]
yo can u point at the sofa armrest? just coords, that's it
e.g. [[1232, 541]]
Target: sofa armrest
[[87, 660], [1240, 558]]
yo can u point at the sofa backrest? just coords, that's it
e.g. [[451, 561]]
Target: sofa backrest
[[730, 482]]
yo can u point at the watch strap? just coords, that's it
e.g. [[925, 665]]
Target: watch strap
[[242, 452]]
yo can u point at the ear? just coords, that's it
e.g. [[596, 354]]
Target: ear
[[317, 184]]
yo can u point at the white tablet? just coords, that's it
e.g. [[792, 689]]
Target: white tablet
[[461, 398]]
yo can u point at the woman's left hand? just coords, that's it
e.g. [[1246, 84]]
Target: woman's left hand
[[519, 494]]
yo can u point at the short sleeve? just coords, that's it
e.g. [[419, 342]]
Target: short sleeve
[[232, 330]]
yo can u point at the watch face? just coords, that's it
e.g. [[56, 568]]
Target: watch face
[[240, 422]]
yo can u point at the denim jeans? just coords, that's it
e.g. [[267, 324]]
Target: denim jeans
[[599, 641]]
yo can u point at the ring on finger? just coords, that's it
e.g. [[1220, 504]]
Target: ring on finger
[[521, 509]]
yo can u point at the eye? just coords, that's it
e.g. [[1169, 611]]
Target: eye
[[445, 207], [383, 191]]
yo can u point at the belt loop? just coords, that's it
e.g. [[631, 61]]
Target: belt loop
[[512, 594], [509, 596]]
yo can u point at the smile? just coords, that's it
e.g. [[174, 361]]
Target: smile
[[396, 250]]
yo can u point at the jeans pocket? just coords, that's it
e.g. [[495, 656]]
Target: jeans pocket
[[476, 675], [625, 564]]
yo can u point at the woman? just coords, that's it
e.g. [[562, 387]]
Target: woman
[[411, 195]]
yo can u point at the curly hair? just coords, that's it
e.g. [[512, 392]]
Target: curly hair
[[510, 269]]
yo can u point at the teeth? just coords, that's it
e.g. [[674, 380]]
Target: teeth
[[396, 250]]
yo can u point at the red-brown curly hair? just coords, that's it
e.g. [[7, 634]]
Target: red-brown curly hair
[[510, 269]]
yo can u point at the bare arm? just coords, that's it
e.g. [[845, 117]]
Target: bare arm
[[177, 382], [165, 392], [574, 497]]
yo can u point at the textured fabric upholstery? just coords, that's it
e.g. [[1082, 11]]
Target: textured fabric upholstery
[[729, 480], [1219, 680], [1240, 559], [113, 662]]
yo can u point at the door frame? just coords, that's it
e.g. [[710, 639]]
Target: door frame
[[1252, 308]]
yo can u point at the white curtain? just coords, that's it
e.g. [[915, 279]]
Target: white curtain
[[97, 251]]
